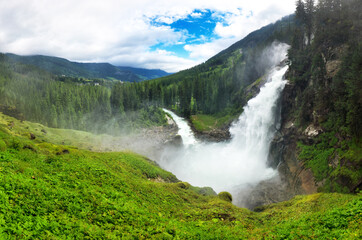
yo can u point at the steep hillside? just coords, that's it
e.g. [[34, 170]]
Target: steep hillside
[[61, 66], [219, 87], [52, 191], [319, 147]]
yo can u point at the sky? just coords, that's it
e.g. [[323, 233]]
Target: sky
[[155, 34]]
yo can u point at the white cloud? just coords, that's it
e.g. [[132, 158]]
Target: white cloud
[[118, 31], [202, 52], [196, 14]]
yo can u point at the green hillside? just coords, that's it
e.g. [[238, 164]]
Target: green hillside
[[63, 67], [52, 191], [29, 93], [325, 94], [219, 87]]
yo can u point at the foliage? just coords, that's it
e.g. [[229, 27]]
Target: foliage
[[69, 99], [49, 191], [226, 196], [326, 73], [210, 87], [62, 67], [65, 102], [203, 122]]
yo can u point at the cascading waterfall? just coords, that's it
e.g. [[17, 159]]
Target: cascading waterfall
[[184, 131], [242, 160]]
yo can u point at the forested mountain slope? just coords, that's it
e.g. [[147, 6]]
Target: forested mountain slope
[[218, 85], [320, 142], [61, 66], [29, 93]]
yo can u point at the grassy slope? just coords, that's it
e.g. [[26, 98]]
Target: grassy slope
[[203, 122], [50, 191]]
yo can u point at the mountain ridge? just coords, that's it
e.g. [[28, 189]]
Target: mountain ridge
[[61, 66]]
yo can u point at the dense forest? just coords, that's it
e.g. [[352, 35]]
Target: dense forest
[[326, 71], [63, 67], [326, 62], [27, 92]]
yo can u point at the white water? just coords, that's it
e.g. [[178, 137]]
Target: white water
[[184, 131], [241, 161]]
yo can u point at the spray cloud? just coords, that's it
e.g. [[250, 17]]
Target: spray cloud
[[240, 162]]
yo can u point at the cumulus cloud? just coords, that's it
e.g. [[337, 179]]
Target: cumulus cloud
[[209, 49], [120, 31]]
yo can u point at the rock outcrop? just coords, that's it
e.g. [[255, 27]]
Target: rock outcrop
[[214, 135], [294, 178]]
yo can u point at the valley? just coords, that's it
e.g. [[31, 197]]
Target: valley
[[262, 140]]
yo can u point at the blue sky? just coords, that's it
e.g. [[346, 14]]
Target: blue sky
[[197, 27], [155, 34]]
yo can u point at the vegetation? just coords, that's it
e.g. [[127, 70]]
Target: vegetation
[[51, 187], [63, 67], [326, 72], [50, 191], [65, 102], [209, 88], [203, 122], [69, 99], [225, 196]]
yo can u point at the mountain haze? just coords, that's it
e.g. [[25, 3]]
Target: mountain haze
[[61, 66]]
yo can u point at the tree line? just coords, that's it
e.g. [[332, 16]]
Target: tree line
[[327, 37], [65, 102]]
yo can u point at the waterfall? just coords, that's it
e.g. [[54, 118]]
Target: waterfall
[[184, 131], [242, 160]]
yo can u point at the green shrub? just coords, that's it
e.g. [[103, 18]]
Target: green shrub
[[226, 196], [2, 145], [183, 185]]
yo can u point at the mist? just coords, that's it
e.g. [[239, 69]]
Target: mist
[[240, 163]]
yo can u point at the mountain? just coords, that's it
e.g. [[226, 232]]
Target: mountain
[[61, 66], [221, 85], [145, 74]]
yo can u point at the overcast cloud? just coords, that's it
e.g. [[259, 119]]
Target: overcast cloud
[[122, 33]]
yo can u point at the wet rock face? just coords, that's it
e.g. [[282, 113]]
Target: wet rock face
[[294, 178], [215, 135], [266, 192], [175, 141], [284, 153], [276, 150]]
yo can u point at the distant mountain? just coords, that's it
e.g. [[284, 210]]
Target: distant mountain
[[145, 73], [61, 66]]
